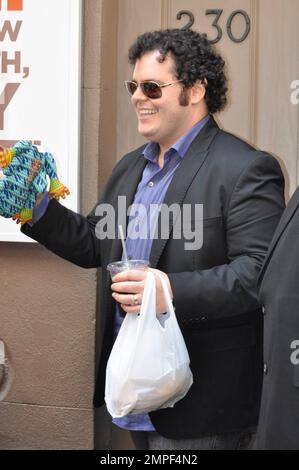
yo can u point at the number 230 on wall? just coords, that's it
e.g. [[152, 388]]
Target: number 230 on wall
[[216, 25]]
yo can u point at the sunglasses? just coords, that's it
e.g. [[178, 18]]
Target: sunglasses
[[149, 88]]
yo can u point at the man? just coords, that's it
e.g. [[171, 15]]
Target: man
[[178, 83], [279, 418]]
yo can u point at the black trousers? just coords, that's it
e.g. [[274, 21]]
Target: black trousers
[[241, 440]]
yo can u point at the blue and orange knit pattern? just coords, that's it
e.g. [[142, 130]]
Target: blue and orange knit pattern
[[24, 173]]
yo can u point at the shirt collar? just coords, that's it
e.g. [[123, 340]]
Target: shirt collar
[[182, 144]]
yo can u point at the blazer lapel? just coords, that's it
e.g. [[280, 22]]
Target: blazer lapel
[[128, 189], [284, 221], [183, 177]]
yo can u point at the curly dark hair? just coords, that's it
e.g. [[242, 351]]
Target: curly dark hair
[[195, 59]]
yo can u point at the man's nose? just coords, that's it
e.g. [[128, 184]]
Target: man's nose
[[138, 95]]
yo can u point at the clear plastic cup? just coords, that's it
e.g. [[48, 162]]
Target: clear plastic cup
[[119, 266]]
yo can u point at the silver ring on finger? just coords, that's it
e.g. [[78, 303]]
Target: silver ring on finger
[[135, 297]]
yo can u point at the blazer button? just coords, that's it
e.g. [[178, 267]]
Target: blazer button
[[203, 319], [266, 370]]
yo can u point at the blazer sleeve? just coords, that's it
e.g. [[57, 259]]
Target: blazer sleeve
[[254, 210], [69, 235], [73, 236]]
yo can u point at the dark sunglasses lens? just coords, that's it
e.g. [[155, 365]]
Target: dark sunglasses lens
[[151, 90], [131, 87]]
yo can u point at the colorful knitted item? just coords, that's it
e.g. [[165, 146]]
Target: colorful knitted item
[[23, 174]]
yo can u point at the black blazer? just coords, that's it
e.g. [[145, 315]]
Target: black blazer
[[214, 288], [279, 419]]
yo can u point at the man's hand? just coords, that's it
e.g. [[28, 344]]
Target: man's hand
[[128, 287]]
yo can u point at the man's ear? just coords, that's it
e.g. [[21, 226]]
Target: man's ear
[[198, 91]]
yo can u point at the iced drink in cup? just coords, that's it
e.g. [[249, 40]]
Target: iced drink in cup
[[119, 266]]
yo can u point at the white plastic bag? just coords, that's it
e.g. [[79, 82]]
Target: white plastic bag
[[148, 367]]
